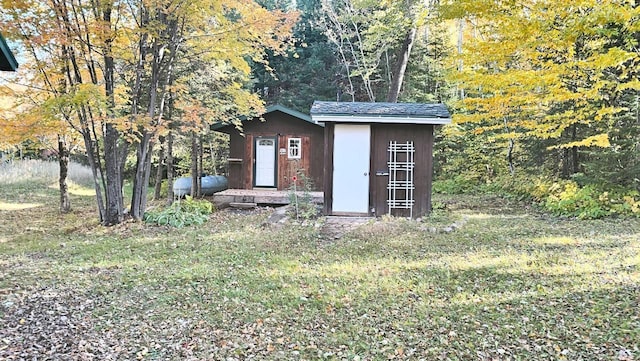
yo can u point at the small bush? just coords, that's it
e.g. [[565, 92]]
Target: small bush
[[571, 200], [164, 188], [181, 214]]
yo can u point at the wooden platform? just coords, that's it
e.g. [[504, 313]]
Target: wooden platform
[[259, 196]]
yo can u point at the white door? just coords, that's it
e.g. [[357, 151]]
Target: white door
[[351, 149], [265, 162]]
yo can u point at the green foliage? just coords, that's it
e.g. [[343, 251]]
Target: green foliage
[[425, 80], [547, 88], [368, 39], [566, 198], [589, 202], [306, 72], [301, 204], [578, 197], [458, 184], [181, 214], [571, 200], [164, 188]]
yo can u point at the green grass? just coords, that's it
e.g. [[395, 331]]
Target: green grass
[[508, 284]]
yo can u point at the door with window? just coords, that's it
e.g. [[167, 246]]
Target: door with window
[[265, 162]]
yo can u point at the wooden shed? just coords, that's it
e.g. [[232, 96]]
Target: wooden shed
[[271, 150], [378, 156]]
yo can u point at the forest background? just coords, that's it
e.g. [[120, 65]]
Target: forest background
[[545, 95]]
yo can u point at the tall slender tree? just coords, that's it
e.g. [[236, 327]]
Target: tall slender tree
[[374, 41], [112, 63]]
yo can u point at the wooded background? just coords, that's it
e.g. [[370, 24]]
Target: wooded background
[[545, 94]]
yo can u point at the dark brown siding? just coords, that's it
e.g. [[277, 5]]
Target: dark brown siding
[[247, 173], [237, 160], [288, 168], [422, 137], [328, 167], [282, 126]]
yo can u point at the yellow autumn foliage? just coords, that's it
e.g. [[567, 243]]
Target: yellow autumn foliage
[[543, 67]]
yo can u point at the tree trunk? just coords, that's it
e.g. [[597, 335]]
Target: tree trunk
[[114, 212], [401, 66], [213, 154], [141, 178], [158, 181], [575, 160], [511, 146], [143, 153], [565, 172], [200, 159], [147, 175], [115, 203], [512, 167], [161, 78], [170, 168], [195, 174], [63, 160], [460, 25], [97, 178]]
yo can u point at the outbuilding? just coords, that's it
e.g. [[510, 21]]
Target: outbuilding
[[269, 152], [378, 157]]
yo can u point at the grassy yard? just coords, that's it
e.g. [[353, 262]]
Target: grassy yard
[[504, 283]]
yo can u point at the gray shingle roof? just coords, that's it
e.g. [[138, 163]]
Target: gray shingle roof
[[411, 110]]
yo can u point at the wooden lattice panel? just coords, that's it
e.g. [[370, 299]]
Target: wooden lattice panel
[[401, 186]]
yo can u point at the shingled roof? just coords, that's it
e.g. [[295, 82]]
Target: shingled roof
[[271, 109], [432, 113]]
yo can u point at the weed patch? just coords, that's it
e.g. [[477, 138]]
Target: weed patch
[[181, 213]]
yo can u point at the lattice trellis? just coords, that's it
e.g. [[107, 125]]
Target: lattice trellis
[[401, 187]]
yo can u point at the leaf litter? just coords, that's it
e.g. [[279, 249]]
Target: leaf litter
[[233, 289]]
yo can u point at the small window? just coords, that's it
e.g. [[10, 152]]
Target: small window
[[295, 148]]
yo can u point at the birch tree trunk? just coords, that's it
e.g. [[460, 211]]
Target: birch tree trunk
[[397, 77], [158, 179]]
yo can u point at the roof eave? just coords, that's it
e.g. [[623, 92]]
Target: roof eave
[[270, 109], [396, 119], [293, 113]]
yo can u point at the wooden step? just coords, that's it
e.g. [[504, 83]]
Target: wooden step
[[242, 205]]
